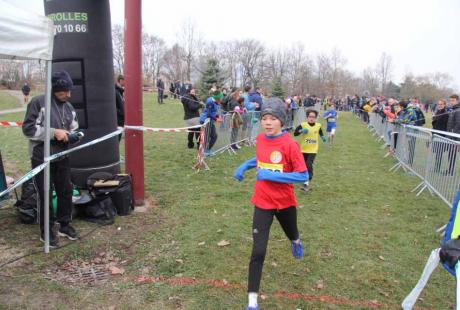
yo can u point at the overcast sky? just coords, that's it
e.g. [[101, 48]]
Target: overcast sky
[[422, 36]]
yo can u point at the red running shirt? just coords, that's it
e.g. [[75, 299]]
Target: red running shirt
[[278, 154]]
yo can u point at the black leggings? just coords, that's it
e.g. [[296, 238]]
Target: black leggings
[[309, 159], [261, 223]]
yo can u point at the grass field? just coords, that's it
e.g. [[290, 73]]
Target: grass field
[[366, 236], [8, 102]]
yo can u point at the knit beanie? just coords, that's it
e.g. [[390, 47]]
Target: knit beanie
[[61, 81], [276, 107], [217, 95]]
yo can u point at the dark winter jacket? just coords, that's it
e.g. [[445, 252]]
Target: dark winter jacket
[[120, 103], [453, 124], [160, 85], [229, 103], [191, 106], [63, 116], [25, 90], [440, 119], [185, 88]]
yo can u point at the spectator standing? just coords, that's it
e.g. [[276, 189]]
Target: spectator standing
[[453, 125], [439, 122], [210, 112], [160, 89], [120, 100], [192, 116], [26, 92], [63, 123]]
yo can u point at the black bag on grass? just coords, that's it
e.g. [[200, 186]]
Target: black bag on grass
[[122, 196], [100, 210], [118, 187]]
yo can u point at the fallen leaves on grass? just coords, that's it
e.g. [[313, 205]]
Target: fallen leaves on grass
[[223, 243], [320, 285], [115, 270]]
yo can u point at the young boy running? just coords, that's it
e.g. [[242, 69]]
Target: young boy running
[[331, 117], [310, 132], [279, 164]]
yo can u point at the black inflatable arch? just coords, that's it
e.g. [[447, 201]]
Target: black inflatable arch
[[83, 47]]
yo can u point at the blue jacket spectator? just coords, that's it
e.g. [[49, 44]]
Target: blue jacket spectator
[[210, 110], [257, 98]]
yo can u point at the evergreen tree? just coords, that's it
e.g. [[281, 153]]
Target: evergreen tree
[[277, 88], [212, 76]]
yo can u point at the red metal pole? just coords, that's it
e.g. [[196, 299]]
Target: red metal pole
[[134, 140]]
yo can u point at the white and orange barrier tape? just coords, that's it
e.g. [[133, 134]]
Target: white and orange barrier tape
[[10, 124]]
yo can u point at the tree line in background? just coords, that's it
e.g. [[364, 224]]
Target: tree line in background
[[287, 71], [250, 62]]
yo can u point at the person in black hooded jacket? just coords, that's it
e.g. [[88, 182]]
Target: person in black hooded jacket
[[192, 116], [439, 122], [120, 100], [441, 116], [63, 123]]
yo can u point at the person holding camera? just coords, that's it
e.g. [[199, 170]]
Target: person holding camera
[[63, 133]]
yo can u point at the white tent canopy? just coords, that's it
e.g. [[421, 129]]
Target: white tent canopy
[[24, 35]]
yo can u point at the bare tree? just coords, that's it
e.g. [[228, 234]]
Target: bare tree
[[229, 59], [441, 80], [190, 42], [384, 70], [370, 82], [252, 55], [323, 73], [174, 67], [154, 49], [297, 67], [118, 42]]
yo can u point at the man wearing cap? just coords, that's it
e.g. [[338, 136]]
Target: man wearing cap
[[63, 123]]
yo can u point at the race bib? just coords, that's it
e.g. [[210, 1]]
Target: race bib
[[270, 166]]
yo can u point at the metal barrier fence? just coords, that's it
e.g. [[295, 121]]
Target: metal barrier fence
[[429, 154], [230, 131]]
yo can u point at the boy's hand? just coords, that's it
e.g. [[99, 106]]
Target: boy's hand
[[323, 138], [239, 173], [305, 130]]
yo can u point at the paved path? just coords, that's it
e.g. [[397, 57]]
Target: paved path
[[18, 95], [8, 111]]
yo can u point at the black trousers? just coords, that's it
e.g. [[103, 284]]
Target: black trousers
[[366, 117], [160, 96], [60, 180], [261, 223], [212, 136], [309, 160]]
